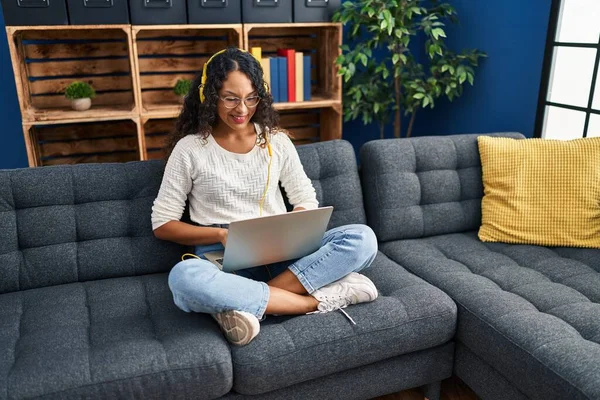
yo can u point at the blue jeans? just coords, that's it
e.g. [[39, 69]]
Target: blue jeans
[[198, 285]]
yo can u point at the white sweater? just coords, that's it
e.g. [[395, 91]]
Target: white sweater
[[222, 186]]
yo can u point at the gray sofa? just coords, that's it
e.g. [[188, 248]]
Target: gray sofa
[[85, 311], [528, 316]]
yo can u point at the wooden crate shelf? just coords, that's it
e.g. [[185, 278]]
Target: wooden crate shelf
[[134, 70], [166, 53], [83, 142], [47, 58]]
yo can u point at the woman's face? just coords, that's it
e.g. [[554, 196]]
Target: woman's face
[[236, 86]]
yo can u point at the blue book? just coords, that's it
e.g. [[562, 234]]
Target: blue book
[[283, 79], [307, 85], [275, 79]]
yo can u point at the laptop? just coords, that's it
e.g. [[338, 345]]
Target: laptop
[[265, 240]]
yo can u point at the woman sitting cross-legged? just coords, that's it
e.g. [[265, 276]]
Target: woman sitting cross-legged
[[226, 146]]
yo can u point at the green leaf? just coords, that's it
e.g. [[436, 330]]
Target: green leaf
[[425, 102], [371, 12], [471, 78], [403, 58], [384, 24], [376, 107], [419, 96], [445, 68], [351, 68], [395, 58], [364, 59], [462, 78], [437, 32]]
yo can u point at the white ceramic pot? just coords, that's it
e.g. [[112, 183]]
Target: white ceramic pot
[[81, 104]]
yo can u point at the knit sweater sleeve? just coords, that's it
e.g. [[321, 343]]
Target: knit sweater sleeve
[[169, 205], [297, 185]]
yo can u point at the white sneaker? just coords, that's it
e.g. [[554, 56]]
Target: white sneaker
[[354, 288], [239, 327]]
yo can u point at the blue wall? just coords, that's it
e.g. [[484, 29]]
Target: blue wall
[[12, 145], [504, 98]]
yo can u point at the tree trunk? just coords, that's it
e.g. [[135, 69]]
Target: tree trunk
[[381, 130], [410, 124], [398, 121]]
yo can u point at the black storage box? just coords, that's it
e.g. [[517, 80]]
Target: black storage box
[[215, 11], [35, 12], [315, 10], [98, 12], [158, 12], [262, 11]]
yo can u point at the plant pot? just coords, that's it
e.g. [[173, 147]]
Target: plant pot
[[81, 104]]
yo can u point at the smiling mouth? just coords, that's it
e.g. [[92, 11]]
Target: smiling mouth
[[239, 118]]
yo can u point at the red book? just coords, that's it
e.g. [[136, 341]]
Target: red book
[[290, 55]]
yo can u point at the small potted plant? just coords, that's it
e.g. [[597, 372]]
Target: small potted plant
[[182, 87], [80, 94]]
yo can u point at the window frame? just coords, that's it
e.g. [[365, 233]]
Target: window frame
[[551, 45]]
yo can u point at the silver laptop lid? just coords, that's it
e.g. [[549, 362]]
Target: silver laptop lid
[[266, 240]]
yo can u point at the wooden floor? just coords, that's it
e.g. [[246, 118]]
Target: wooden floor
[[452, 389]]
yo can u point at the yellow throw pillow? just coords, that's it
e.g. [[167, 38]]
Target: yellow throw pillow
[[540, 191]]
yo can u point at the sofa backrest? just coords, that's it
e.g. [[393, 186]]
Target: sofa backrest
[[67, 224], [331, 166], [423, 186], [83, 222]]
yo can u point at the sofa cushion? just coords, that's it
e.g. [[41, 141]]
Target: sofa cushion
[[533, 313], [331, 166], [67, 224], [408, 316], [422, 186], [113, 338]]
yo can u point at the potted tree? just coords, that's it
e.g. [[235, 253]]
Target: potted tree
[[375, 88], [182, 87], [80, 94]]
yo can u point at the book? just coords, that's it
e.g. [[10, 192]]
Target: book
[[265, 63], [307, 76], [299, 76], [275, 78], [256, 52], [290, 56], [283, 79]]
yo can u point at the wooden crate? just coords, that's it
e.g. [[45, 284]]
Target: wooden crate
[[46, 59], [322, 42], [166, 53], [87, 142], [303, 125]]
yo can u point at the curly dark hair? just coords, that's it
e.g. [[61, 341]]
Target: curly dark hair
[[201, 118]]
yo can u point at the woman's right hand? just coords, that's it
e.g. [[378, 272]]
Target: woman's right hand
[[224, 236]]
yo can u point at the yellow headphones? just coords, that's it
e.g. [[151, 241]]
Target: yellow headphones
[[202, 98]]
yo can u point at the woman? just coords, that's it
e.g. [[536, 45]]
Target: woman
[[226, 145]]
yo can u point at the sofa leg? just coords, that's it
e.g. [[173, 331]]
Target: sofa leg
[[432, 391]]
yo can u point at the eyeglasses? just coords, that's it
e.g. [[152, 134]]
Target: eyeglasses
[[233, 102]]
